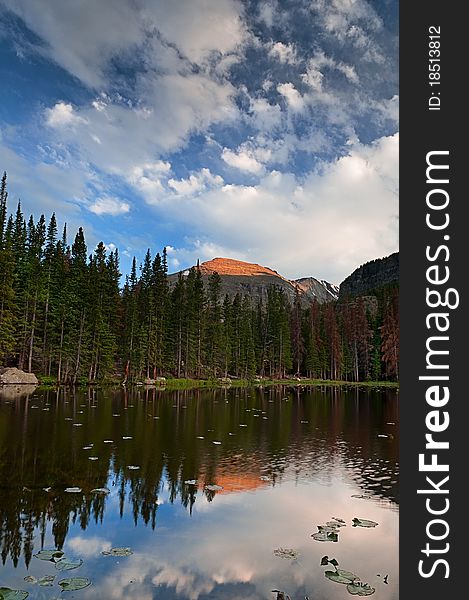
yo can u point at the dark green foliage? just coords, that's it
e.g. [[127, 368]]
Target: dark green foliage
[[64, 315]]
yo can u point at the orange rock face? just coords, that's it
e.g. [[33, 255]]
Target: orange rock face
[[229, 266]]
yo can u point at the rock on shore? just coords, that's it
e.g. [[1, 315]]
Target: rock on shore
[[14, 376]]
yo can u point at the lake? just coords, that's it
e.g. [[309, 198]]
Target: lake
[[278, 463]]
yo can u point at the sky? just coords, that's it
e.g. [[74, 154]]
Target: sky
[[264, 131]]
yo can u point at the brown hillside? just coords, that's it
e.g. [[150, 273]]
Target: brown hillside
[[230, 266]]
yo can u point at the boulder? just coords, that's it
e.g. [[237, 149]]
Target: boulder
[[17, 392], [14, 376]]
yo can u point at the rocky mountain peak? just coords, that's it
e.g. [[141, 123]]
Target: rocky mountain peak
[[230, 266]]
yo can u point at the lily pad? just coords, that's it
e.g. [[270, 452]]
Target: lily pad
[[101, 490], [341, 576], [117, 552], [288, 553], [74, 583], [108, 441], [325, 536], [347, 574], [51, 555], [46, 581], [325, 560], [8, 594], [67, 564], [217, 443], [30, 579], [92, 458], [363, 523], [338, 519], [200, 437], [191, 482], [360, 589], [328, 528], [213, 487], [87, 447], [73, 490], [335, 524], [133, 467], [126, 437]]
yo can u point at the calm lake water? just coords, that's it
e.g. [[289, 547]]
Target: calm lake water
[[287, 460]]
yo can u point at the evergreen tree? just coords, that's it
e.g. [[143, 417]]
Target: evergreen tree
[[7, 281]]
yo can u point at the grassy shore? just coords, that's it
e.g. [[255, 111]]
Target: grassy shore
[[186, 384]]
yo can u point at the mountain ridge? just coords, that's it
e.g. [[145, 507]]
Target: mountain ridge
[[254, 280]]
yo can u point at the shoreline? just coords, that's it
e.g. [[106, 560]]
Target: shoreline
[[187, 384]]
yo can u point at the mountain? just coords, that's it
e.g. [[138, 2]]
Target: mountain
[[371, 276], [320, 289], [253, 280]]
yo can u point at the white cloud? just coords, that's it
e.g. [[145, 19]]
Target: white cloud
[[85, 37], [196, 183], [266, 13], [87, 547], [200, 27], [242, 160], [314, 75], [176, 107], [236, 573], [292, 96], [266, 116], [148, 178], [62, 115], [182, 88], [108, 205], [342, 214], [285, 53]]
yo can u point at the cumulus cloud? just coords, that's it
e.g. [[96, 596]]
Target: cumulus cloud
[[89, 546], [242, 160], [342, 214], [108, 205], [285, 53], [195, 183], [292, 96], [237, 573], [84, 37], [216, 99], [62, 115]]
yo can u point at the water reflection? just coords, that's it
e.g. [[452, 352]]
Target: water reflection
[[288, 459]]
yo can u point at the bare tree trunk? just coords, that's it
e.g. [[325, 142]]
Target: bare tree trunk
[[59, 368], [80, 342]]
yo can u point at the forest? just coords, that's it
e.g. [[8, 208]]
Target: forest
[[65, 315]]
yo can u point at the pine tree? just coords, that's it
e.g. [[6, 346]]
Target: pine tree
[[3, 207], [7, 280], [214, 325], [297, 334], [390, 336]]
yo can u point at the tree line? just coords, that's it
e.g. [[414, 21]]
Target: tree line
[[63, 314]]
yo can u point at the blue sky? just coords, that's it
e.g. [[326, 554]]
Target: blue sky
[[264, 131]]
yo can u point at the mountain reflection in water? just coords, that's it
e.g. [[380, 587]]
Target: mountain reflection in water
[[288, 460]]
